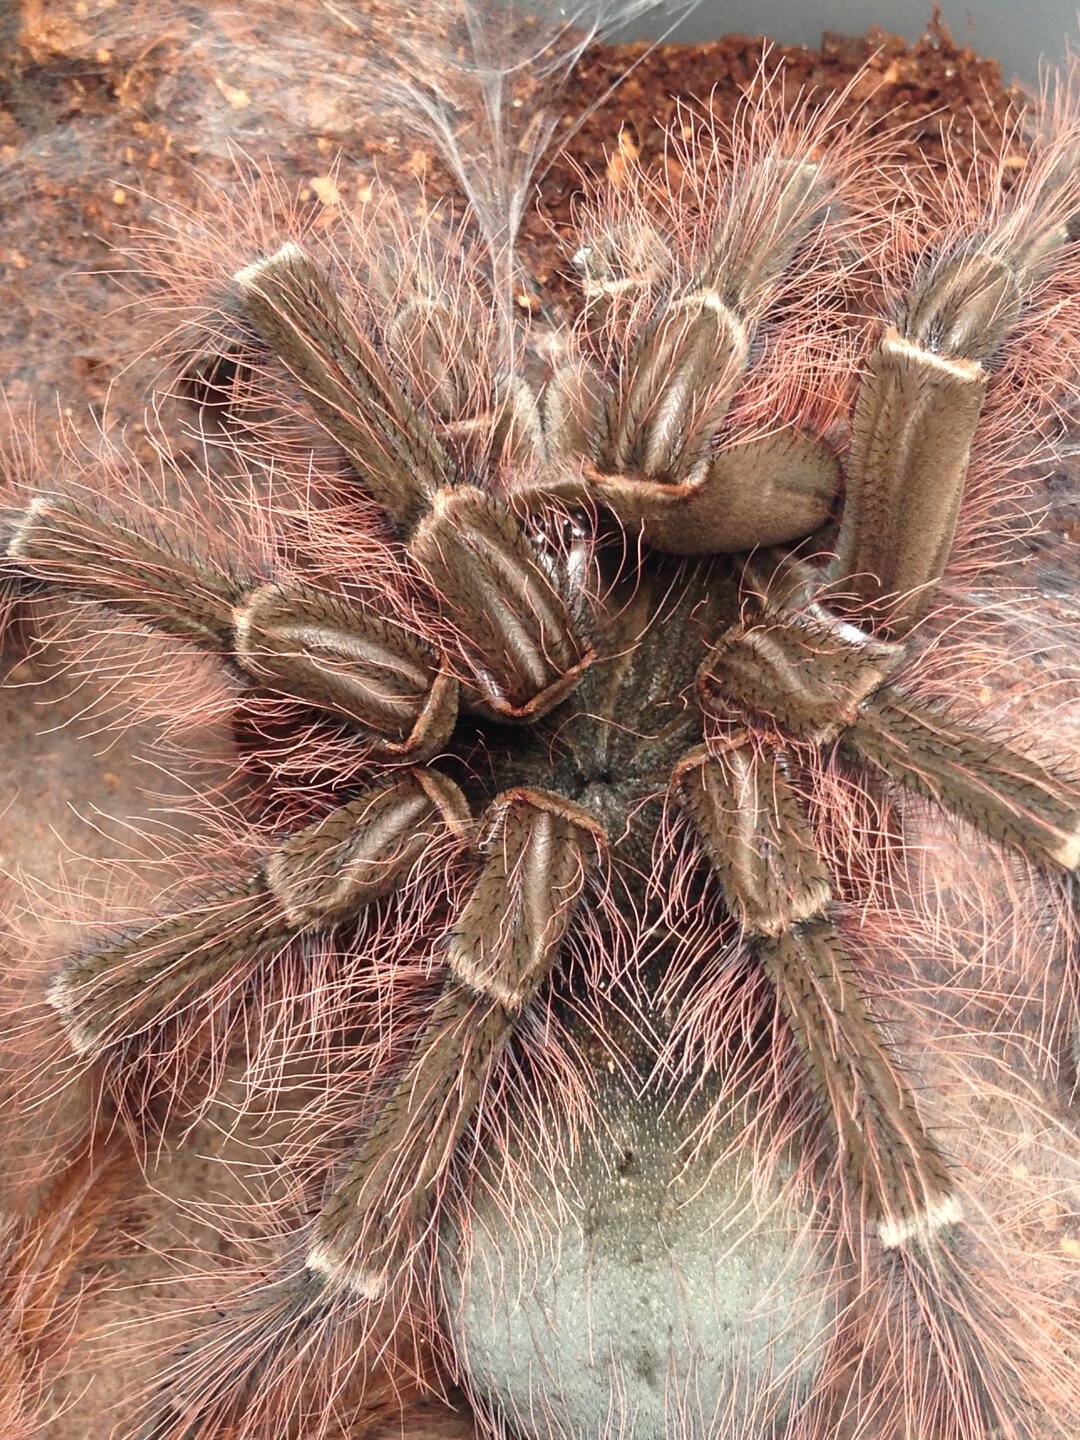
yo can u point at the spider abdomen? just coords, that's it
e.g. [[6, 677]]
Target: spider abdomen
[[628, 1288]]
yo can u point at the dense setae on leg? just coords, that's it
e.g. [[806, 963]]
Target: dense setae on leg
[[315, 879], [651, 432], [298, 641], [750, 822], [681, 374], [518, 636], [64, 542], [1006, 796], [921, 399], [296, 313], [803, 674], [380, 1202], [915, 421], [321, 650], [820, 680], [538, 852]]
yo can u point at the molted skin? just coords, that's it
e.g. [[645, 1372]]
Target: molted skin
[[607, 792]]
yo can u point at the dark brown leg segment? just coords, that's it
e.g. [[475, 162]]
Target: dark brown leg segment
[[1003, 794], [751, 825], [918, 407], [303, 643], [538, 852], [312, 881]]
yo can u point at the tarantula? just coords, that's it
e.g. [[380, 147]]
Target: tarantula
[[631, 593]]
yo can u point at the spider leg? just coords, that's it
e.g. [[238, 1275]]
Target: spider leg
[[919, 403], [751, 824], [296, 313], [517, 634], [758, 492], [315, 879], [1006, 796], [649, 437], [538, 852], [808, 676], [822, 680], [690, 359], [312, 646]]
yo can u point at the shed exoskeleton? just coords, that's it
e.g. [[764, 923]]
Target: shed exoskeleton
[[527, 734]]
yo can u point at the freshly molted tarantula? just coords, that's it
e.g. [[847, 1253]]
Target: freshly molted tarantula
[[562, 644]]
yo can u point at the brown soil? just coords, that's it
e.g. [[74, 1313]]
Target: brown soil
[[100, 127]]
